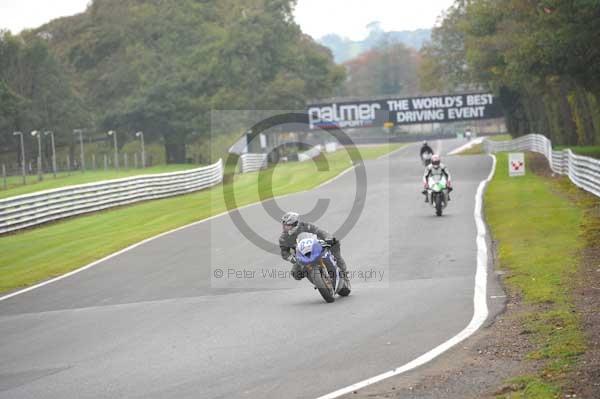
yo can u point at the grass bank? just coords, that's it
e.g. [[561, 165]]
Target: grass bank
[[539, 233], [52, 250]]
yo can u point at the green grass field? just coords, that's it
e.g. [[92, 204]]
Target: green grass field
[[16, 187], [538, 231], [52, 250], [500, 137]]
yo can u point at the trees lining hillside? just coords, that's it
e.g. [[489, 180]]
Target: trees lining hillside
[[540, 57], [161, 66], [390, 69], [35, 92]]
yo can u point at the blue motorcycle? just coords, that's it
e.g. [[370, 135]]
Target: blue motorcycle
[[320, 267]]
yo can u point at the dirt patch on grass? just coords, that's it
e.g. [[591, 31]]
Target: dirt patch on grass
[[584, 381], [538, 164]]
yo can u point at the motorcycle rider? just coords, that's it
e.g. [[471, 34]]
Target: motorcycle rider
[[292, 227], [425, 149], [436, 168]]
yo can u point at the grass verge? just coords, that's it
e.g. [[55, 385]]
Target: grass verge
[[538, 232], [63, 179], [52, 250]]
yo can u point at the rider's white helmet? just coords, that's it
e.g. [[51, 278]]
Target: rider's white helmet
[[290, 222], [435, 161]]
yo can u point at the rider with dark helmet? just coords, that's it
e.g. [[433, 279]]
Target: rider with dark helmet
[[292, 227], [425, 149]]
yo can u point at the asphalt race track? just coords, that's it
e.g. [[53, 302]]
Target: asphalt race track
[[155, 322]]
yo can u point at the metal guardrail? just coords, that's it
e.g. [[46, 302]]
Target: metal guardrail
[[28, 210], [253, 162], [331, 147], [582, 171], [310, 154]]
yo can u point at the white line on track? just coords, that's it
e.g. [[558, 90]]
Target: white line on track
[[466, 146], [479, 300], [389, 154]]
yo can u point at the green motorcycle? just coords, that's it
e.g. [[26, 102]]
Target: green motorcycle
[[438, 193]]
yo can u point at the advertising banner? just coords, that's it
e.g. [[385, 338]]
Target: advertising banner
[[403, 111]]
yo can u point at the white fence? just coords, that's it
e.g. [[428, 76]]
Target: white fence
[[310, 154], [45, 206], [253, 162], [331, 147], [583, 171]]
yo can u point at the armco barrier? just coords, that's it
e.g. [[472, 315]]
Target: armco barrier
[[253, 162], [310, 154], [33, 209], [583, 171], [331, 147]]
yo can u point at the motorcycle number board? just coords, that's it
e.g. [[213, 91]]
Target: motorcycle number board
[[516, 164]]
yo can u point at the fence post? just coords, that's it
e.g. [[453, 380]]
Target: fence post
[[135, 163], [126, 159], [68, 165], [23, 171], [105, 163], [4, 177], [93, 161], [39, 168]]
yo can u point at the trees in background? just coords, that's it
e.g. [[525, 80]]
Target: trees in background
[[540, 57], [35, 92], [162, 66], [389, 69]]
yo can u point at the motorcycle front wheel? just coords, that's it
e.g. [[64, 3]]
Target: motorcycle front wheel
[[438, 204], [322, 281]]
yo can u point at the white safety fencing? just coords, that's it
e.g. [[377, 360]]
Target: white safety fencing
[[583, 171], [310, 154], [33, 209], [253, 162], [331, 147]]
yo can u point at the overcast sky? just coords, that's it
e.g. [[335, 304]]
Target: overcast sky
[[316, 17], [349, 17]]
